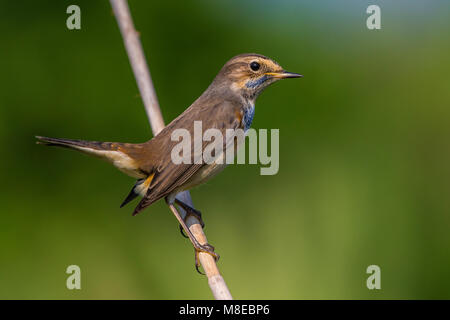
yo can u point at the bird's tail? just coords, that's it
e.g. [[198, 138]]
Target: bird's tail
[[81, 145], [119, 154]]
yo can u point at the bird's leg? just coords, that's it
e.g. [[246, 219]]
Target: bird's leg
[[207, 248], [189, 212]]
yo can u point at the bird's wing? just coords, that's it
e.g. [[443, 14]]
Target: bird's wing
[[168, 176]]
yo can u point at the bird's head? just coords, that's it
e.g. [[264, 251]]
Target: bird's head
[[248, 74]]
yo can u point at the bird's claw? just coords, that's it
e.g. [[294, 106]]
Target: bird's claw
[[182, 232], [206, 248]]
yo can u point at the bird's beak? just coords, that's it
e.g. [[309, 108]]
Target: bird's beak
[[284, 74]]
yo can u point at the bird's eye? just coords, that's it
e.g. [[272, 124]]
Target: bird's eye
[[254, 66]]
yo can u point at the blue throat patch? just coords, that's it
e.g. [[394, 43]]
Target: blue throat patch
[[257, 82], [249, 113]]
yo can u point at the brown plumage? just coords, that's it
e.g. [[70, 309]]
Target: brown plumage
[[228, 103], [221, 107]]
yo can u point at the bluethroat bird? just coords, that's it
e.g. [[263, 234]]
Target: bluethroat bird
[[228, 103]]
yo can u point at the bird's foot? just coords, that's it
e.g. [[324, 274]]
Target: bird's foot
[[206, 248], [190, 212]]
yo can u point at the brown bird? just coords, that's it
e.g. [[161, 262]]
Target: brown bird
[[228, 103]]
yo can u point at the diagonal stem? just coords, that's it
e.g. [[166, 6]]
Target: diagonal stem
[[144, 81]]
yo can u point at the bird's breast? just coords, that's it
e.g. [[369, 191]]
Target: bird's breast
[[248, 114]]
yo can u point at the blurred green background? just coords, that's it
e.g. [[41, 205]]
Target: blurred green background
[[364, 151]]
